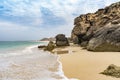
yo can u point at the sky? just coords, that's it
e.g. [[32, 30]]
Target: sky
[[36, 19]]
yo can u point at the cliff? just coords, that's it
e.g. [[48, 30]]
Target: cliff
[[87, 25]]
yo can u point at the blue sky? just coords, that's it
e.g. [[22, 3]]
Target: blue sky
[[35, 19]]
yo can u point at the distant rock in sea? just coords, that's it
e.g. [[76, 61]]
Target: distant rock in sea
[[99, 31], [48, 39]]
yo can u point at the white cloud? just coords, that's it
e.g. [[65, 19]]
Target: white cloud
[[10, 26], [59, 7], [108, 2], [10, 31], [30, 9]]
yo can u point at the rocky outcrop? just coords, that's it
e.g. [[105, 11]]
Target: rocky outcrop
[[50, 46], [112, 70], [87, 24], [106, 38], [61, 40]]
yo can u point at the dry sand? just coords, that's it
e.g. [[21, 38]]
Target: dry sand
[[86, 65]]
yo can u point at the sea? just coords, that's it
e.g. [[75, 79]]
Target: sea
[[22, 60]]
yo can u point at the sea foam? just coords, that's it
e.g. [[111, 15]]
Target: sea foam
[[30, 64]]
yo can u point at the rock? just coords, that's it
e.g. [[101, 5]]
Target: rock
[[75, 39], [50, 46], [48, 39], [41, 46], [112, 70], [61, 40], [84, 44], [87, 24], [106, 39]]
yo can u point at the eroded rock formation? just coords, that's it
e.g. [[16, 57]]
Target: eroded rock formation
[[100, 29], [106, 39], [87, 24]]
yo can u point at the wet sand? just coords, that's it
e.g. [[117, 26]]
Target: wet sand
[[86, 65]]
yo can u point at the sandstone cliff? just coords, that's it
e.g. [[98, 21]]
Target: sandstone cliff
[[87, 24]]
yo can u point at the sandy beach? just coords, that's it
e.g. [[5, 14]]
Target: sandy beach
[[86, 65]]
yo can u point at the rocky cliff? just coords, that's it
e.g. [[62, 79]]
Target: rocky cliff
[[87, 25]]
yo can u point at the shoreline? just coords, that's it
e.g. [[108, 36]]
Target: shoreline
[[85, 65], [74, 63], [29, 63]]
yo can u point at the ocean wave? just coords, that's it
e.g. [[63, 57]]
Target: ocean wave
[[30, 64]]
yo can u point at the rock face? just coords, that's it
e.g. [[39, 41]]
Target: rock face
[[112, 70], [106, 39], [87, 24], [61, 40]]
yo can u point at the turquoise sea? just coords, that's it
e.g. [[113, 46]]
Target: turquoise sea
[[22, 60], [14, 45]]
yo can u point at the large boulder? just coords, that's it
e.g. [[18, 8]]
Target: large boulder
[[106, 38], [61, 40], [112, 70], [87, 24]]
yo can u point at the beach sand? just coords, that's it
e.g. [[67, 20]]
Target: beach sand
[[86, 65]]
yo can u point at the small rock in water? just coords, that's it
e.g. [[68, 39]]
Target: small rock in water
[[50, 46], [41, 46]]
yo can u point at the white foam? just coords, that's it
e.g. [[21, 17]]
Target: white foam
[[27, 50], [60, 71], [27, 59]]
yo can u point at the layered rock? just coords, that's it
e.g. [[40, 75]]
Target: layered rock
[[61, 40], [87, 24]]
